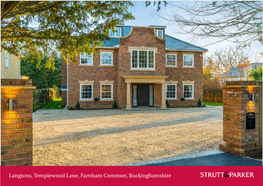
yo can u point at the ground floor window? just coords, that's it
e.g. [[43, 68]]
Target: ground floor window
[[106, 92], [188, 91], [171, 91], [86, 92]]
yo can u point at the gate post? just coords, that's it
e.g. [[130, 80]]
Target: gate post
[[16, 121], [241, 119]]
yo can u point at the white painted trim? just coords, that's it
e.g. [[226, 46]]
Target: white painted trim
[[166, 60], [166, 84], [80, 64], [111, 59], [133, 68], [80, 92], [111, 93], [192, 62], [192, 98]]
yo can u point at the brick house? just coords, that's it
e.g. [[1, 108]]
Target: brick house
[[138, 66]]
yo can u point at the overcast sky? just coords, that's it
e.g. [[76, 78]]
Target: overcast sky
[[149, 16]]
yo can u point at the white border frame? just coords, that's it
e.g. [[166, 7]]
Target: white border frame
[[80, 92], [111, 92], [86, 64], [147, 59], [166, 91], [111, 58], [192, 91], [166, 61], [115, 33], [193, 59]]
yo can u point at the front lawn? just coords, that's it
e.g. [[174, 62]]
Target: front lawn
[[54, 104], [213, 104]]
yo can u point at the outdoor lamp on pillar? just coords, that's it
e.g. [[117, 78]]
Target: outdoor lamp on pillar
[[200, 55], [251, 97]]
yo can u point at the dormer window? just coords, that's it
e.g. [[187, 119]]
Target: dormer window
[[159, 33], [115, 34]]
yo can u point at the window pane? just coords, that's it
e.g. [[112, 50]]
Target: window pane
[[188, 60], [112, 34], [171, 91], [134, 58], [106, 91], [86, 91], [142, 59], [171, 60], [188, 91], [151, 59], [160, 34]]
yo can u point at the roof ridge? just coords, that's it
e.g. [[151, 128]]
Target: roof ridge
[[186, 42]]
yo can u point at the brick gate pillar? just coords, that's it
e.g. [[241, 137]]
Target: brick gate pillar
[[241, 119], [16, 124]]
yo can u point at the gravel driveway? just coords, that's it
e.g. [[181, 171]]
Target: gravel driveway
[[116, 137]]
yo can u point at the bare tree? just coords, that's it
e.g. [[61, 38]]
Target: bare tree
[[236, 21], [227, 59]]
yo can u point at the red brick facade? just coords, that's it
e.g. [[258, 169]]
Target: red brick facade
[[140, 37], [16, 124]]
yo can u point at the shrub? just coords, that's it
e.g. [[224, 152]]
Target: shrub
[[204, 105], [77, 105], [56, 93], [70, 108], [182, 99], [96, 99], [199, 103], [167, 104], [114, 105], [41, 98]]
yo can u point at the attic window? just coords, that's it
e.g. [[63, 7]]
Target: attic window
[[159, 33], [115, 34]]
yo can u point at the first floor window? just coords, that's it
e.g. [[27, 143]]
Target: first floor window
[[171, 60], [171, 91], [142, 59], [86, 92], [86, 59], [188, 91], [106, 91], [188, 60], [106, 58]]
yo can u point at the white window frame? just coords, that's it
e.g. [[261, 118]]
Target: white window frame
[[159, 30], [192, 62], [107, 58], [147, 59], [175, 91], [120, 31], [83, 63], [193, 88], [111, 92], [6, 59], [80, 92], [175, 60]]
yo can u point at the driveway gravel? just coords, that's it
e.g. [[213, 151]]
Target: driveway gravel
[[116, 137]]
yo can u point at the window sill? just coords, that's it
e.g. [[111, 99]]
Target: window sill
[[189, 99], [142, 69], [106, 100], [86, 65], [106, 65], [171, 66], [6, 67], [83, 100], [188, 67], [171, 99]]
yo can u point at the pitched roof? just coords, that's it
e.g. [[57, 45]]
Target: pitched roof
[[171, 43]]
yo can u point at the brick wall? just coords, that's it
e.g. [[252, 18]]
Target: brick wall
[[183, 74], [236, 103], [94, 73], [16, 124]]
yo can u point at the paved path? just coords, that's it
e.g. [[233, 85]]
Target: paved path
[[216, 158]]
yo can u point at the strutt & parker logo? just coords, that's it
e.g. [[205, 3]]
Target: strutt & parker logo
[[226, 174]]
